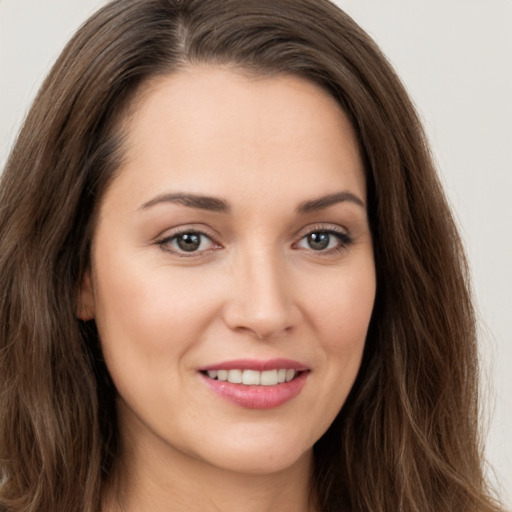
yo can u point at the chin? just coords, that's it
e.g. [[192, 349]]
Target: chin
[[259, 462], [258, 453]]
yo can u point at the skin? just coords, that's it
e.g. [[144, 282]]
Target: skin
[[255, 288]]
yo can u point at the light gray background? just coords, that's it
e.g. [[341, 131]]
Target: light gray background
[[455, 58]]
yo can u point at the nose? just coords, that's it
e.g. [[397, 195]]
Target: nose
[[261, 301]]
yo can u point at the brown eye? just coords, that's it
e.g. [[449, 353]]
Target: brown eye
[[189, 242], [324, 240], [319, 241]]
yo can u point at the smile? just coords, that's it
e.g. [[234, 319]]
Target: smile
[[256, 384], [253, 377]]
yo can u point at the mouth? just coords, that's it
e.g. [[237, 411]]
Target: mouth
[[253, 377], [256, 384]]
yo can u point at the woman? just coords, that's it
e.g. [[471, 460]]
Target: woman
[[230, 275]]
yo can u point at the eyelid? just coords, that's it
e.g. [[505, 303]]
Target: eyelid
[[327, 227], [343, 235], [171, 234]]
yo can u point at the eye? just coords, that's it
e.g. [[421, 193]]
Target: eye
[[324, 240], [187, 242]]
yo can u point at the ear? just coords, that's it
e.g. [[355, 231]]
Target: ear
[[86, 309]]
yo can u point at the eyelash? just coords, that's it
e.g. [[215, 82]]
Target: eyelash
[[344, 241], [343, 238], [164, 243]]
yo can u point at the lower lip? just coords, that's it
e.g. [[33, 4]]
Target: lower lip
[[258, 397]]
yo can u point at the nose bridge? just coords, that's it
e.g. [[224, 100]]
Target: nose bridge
[[261, 301]]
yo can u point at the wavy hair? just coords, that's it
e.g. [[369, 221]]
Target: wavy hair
[[407, 438]]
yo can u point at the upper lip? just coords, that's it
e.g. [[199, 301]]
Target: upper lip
[[257, 365]]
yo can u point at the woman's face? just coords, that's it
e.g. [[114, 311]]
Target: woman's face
[[233, 244]]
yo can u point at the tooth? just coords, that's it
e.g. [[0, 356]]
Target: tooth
[[235, 376], [268, 378], [290, 374], [251, 377]]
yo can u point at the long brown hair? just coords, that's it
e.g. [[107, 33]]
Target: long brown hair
[[407, 437]]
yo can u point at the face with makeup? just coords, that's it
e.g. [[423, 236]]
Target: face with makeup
[[232, 276]]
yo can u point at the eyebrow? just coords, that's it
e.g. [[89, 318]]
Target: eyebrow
[[329, 200], [214, 204], [211, 204]]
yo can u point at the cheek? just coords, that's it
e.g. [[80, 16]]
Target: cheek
[[149, 318], [341, 306], [139, 303], [341, 309]]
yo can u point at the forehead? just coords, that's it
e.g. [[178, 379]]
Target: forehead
[[209, 129]]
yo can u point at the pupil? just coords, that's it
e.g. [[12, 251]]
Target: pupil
[[189, 242], [318, 241]]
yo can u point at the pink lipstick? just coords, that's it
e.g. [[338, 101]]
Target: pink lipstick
[[256, 384]]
